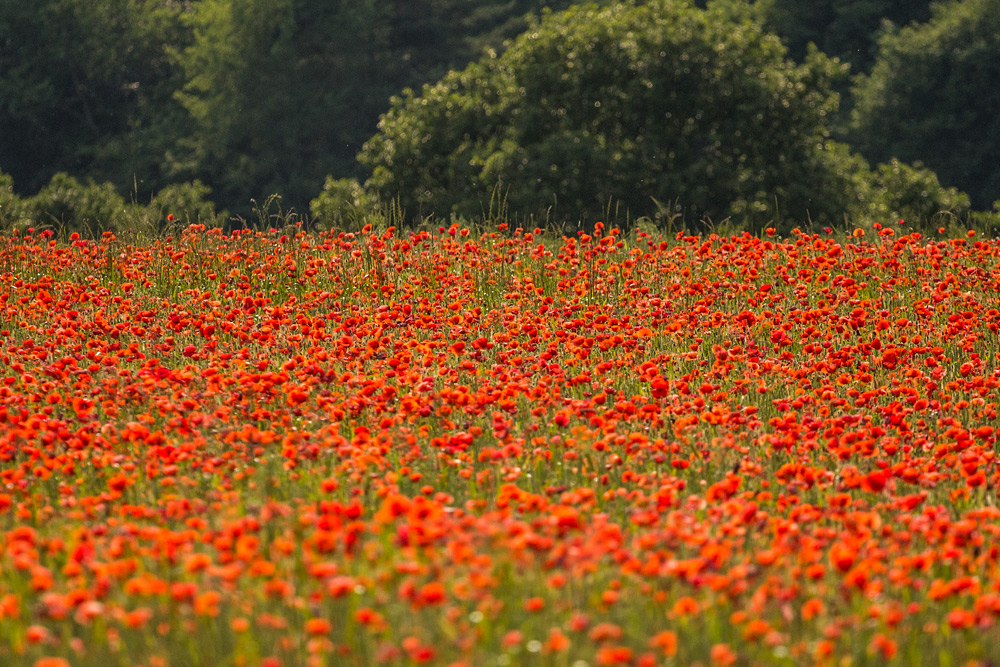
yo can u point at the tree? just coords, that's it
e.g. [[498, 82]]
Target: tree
[[274, 94], [80, 82], [276, 89], [933, 96], [844, 29], [633, 105], [283, 93]]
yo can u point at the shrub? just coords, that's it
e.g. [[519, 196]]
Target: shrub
[[67, 205], [342, 204], [188, 203], [913, 193]]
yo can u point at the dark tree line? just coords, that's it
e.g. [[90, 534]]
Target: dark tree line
[[252, 97], [273, 96]]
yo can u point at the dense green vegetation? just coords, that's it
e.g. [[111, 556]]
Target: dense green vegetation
[[156, 105], [933, 96], [87, 87], [844, 29], [631, 108]]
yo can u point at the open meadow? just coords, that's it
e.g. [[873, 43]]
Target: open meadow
[[499, 447]]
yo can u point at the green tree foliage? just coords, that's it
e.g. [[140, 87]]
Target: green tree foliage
[[252, 97], [933, 96], [278, 90], [845, 29], [186, 203], [628, 104], [86, 87], [488, 25], [284, 92]]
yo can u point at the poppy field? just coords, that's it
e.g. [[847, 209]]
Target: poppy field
[[455, 447]]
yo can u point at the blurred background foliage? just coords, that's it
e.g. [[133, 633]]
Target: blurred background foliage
[[759, 112], [615, 106]]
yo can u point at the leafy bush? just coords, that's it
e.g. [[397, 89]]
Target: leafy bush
[[986, 222], [627, 106], [67, 205], [187, 202], [343, 204], [913, 193]]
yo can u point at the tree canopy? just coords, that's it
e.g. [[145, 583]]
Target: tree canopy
[[284, 92], [933, 96], [702, 108], [87, 87], [844, 29], [627, 105], [279, 92]]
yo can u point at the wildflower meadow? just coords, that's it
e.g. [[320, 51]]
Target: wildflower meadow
[[494, 446]]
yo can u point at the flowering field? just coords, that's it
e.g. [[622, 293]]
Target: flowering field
[[485, 449]]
